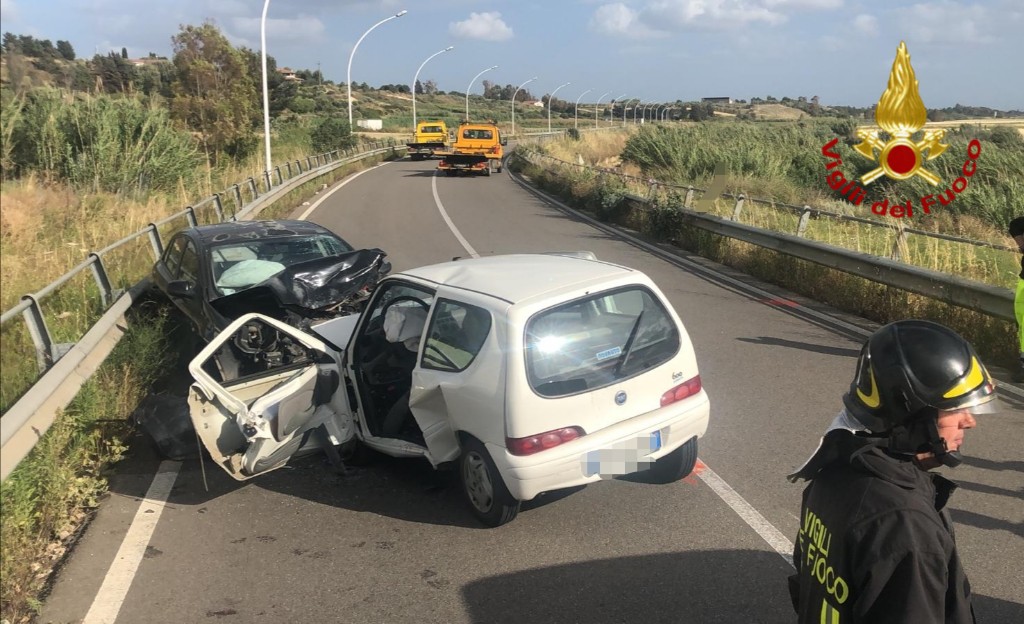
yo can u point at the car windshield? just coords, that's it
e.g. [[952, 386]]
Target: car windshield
[[240, 265], [593, 342]]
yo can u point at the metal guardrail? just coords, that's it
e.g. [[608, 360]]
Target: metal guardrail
[[986, 299], [805, 211], [65, 367]]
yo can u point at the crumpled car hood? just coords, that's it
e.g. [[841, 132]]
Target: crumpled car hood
[[307, 287]]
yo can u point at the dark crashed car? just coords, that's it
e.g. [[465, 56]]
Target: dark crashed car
[[295, 271]]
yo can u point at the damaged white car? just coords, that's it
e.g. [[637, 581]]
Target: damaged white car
[[528, 373]]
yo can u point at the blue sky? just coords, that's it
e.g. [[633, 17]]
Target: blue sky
[[655, 50]]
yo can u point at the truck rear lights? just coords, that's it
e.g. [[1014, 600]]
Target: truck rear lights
[[686, 389], [542, 441]]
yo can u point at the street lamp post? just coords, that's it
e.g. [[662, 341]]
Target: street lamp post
[[597, 107], [416, 79], [644, 114], [471, 85], [514, 103], [636, 108], [618, 99], [266, 93], [552, 97], [350, 56], [576, 111], [624, 110]]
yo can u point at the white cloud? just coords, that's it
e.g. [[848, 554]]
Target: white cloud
[[805, 4], [866, 24], [619, 19], [948, 22], [486, 26], [301, 28], [8, 10]]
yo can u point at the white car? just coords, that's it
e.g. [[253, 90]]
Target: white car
[[529, 372]]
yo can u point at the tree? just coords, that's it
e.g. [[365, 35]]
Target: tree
[[213, 92], [116, 75], [331, 133], [419, 87], [65, 50], [430, 88], [124, 53]]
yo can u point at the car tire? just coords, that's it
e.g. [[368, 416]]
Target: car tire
[[482, 486], [355, 453], [676, 465]]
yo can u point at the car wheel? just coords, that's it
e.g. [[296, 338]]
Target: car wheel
[[676, 465], [483, 487], [499, 168], [355, 453]]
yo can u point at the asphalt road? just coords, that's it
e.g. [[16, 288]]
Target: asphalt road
[[393, 543]]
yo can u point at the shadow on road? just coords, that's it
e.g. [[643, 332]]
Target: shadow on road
[[708, 586], [806, 346]]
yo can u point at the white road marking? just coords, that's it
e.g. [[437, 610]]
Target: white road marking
[[746, 511], [444, 215], [334, 190], [108, 601]]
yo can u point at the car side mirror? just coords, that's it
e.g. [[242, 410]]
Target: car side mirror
[[504, 141], [181, 288], [385, 268]]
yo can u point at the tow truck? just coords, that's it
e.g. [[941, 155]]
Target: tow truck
[[429, 138], [477, 149]]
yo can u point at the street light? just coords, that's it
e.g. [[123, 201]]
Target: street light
[[471, 85], [350, 56], [644, 117], [618, 99], [266, 94], [598, 107], [576, 111], [514, 103], [624, 110], [635, 108], [416, 79], [551, 97]]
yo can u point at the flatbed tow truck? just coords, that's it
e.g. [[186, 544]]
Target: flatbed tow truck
[[429, 138], [478, 148]]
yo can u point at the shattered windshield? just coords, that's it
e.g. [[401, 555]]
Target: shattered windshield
[[240, 265]]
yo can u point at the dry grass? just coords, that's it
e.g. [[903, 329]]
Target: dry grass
[[777, 111]]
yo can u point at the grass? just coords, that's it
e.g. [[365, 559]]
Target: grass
[[49, 496], [601, 194]]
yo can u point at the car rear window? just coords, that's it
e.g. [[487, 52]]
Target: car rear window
[[432, 129], [598, 340]]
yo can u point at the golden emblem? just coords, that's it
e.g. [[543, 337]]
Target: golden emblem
[[900, 113]]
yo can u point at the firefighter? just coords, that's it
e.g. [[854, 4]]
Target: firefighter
[[1017, 232], [876, 543]]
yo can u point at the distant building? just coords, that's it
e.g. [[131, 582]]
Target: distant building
[[152, 60], [370, 124], [717, 100], [537, 103], [288, 74]]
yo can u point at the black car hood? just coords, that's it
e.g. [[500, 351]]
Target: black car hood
[[307, 287]]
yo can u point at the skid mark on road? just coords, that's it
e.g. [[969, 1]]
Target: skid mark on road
[[108, 601], [746, 511], [444, 215]]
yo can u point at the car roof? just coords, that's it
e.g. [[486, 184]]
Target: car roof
[[517, 278], [247, 230]]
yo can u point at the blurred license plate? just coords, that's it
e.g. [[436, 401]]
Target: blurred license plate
[[623, 458]]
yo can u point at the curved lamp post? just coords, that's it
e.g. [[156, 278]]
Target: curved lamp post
[[514, 103], [644, 114], [597, 107], [624, 110], [636, 109], [618, 99], [266, 93], [552, 97], [416, 79], [353, 53], [576, 111], [471, 85]]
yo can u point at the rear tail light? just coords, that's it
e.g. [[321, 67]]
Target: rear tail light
[[443, 163], [542, 441], [680, 392]]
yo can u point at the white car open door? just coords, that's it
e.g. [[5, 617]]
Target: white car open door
[[284, 392]]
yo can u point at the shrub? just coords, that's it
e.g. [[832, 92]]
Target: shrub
[[331, 133]]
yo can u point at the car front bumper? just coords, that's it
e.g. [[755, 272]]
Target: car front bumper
[[620, 449]]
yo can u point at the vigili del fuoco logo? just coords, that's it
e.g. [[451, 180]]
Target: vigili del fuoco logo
[[900, 114]]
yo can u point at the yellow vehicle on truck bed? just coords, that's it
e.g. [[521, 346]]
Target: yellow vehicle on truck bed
[[430, 137], [477, 149]]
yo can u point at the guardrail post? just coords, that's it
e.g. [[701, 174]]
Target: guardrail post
[[155, 242], [280, 180], [218, 206], [805, 216], [739, 207], [289, 165], [266, 180], [99, 272], [40, 333], [898, 243], [252, 185], [309, 163], [238, 198], [318, 160], [688, 201], [190, 214], [298, 165]]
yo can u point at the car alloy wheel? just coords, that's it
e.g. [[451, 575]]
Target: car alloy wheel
[[485, 491]]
